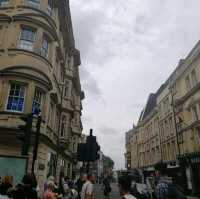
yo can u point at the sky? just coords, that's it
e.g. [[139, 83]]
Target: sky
[[128, 49]]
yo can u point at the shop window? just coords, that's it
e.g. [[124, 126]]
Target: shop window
[[33, 3], [45, 46], [16, 98], [37, 100], [4, 3], [27, 38]]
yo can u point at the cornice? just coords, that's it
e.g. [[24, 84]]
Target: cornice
[[27, 17], [42, 14], [10, 72], [33, 53]]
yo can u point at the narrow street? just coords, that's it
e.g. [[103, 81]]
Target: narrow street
[[99, 192]]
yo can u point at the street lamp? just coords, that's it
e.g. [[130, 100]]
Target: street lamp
[[36, 143]]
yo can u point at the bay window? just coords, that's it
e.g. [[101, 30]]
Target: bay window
[[33, 3], [27, 38], [37, 101], [16, 97], [4, 3]]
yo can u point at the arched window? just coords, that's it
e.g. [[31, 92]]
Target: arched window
[[63, 126]]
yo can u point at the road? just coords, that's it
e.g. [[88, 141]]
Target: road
[[114, 193]]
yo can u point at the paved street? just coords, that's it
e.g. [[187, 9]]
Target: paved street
[[99, 192]]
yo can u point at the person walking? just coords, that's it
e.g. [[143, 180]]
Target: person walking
[[5, 185], [125, 188], [87, 191], [165, 188], [49, 193], [79, 184], [106, 184]]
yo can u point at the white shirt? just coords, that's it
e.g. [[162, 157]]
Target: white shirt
[[129, 196], [4, 197], [87, 189]]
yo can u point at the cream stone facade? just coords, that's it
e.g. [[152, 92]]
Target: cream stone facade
[[148, 136], [168, 129], [39, 68], [168, 139], [186, 92]]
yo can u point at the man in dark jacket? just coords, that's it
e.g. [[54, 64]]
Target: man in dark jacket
[[107, 187]]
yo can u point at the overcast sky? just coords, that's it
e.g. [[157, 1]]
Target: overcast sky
[[128, 49]]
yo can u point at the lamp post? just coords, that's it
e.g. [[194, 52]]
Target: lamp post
[[36, 143], [59, 123]]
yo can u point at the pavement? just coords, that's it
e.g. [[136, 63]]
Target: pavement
[[99, 192], [115, 192]]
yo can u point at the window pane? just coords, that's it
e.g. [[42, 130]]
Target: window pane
[[37, 101], [33, 3], [16, 98], [27, 34], [4, 3], [27, 38]]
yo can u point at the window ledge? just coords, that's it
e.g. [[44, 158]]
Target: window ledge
[[42, 11], [31, 52], [6, 7]]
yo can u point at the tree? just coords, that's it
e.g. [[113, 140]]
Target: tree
[[108, 163]]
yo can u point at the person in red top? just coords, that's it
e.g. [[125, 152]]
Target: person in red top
[[49, 194]]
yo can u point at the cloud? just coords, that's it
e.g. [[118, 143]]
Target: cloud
[[89, 83], [128, 49]]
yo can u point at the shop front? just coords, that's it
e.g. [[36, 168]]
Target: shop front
[[190, 164]]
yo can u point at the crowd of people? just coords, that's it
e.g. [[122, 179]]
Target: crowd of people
[[165, 187], [65, 189], [83, 188]]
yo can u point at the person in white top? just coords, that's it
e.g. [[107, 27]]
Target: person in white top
[[87, 191], [125, 187]]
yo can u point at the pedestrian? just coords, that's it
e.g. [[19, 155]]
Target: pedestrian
[[65, 187], [49, 193], [165, 188], [30, 186], [106, 184], [6, 184], [87, 191], [125, 187], [79, 184]]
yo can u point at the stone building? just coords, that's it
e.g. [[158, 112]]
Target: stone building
[[168, 139], [39, 68], [148, 136], [168, 129], [186, 92]]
